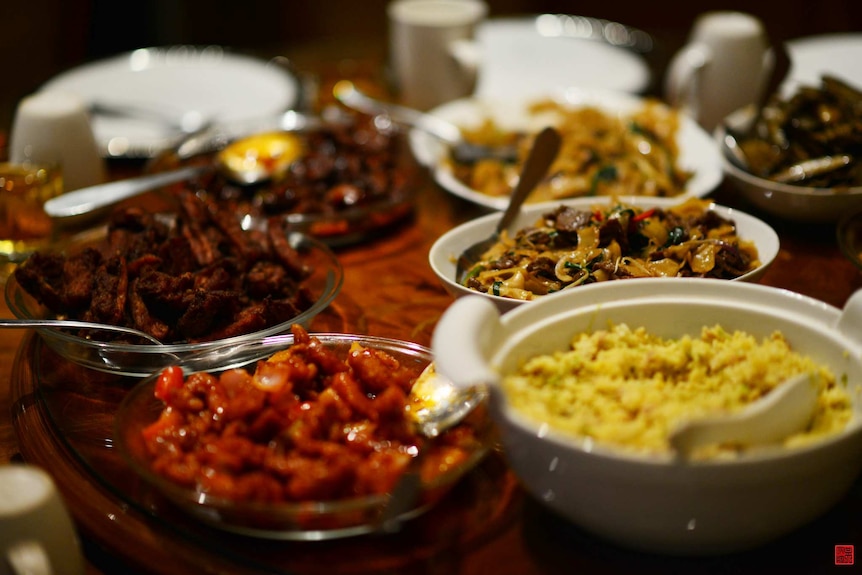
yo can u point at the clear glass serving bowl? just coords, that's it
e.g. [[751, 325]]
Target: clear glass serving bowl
[[306, 520], [364, 154], [140, 360]]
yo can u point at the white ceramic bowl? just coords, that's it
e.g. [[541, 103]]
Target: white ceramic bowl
[[697, 152], [654, 502], [445, 250], [790, 202]]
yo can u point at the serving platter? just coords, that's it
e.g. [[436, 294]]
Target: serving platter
[[64, 419], [697, 150], [219, 85]]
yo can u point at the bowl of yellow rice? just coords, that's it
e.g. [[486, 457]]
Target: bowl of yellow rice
[[586, 388]]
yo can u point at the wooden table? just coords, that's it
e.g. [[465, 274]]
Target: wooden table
[[390, 290]]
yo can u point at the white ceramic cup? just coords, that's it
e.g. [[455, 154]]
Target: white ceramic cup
[[432, 49], [54, 128], [722, 68], [37, 536]]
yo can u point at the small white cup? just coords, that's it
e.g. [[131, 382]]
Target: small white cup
[[37, 536], [433, 54], [54, 128], [722, 68]]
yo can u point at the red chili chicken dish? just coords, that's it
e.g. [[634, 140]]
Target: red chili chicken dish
[[307, 424]]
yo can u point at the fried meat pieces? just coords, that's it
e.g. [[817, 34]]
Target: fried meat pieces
[[197, 278]]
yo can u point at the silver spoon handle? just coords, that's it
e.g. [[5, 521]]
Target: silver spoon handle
[[542, 155], [73, 323], [347, 94], [85, 200]]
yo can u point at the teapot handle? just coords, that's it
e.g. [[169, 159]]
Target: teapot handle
[[466, 53], [464, 340], [850, 322]]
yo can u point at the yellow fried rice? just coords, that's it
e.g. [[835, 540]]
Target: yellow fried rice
[[627, 387]]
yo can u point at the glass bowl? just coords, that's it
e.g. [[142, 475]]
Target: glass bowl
[[354, 180], [140, 360], [288, 519]]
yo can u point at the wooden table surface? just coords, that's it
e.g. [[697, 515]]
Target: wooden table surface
[[390, 290]]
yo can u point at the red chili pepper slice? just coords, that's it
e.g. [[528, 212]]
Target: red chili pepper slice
[[644, 215]]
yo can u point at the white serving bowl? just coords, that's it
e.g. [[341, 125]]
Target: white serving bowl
[[790, 202], [656, 502], [697, 152], [444, 252]]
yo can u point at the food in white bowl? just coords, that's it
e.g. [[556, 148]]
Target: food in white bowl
[[649, 499], [637, 147], [643, 237], [800, 161]]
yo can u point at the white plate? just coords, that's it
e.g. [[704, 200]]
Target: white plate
[[535, 55], [175, 80], [698, 152], [813, 56], [444, 252]]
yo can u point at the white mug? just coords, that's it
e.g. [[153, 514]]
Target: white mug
[[432, 49], [54, 128], [722, 68], [37, 536]]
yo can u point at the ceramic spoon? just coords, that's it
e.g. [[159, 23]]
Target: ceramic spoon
[[785, 410], [247, 161]]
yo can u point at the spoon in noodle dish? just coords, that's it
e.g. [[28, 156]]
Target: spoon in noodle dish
[[545, 148]]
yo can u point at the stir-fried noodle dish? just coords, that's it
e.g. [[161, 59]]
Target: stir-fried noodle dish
[[568, 247], [602, 153]]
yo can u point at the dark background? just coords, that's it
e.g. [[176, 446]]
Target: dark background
[[39, 38]]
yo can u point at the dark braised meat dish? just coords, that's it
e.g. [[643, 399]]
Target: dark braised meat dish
[[192, 277], [344, 167], [813, 138]]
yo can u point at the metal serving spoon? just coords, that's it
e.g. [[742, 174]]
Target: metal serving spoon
[[276, 150], [544, 151], [733, 137], [435, 404], [781, 412], [187, 122], [462, 151], [76, 324]]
